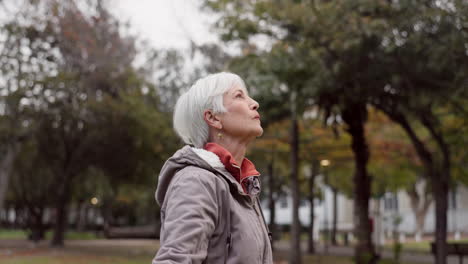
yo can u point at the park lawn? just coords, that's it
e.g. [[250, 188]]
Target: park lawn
[[102, 251], [13, 234], [342, 260], [99, 251], [422, 246], [22, 234], [76, 260], [147, 259], [322, 259]]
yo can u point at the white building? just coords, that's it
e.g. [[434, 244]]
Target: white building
[[323, 211], [399, 205], [391, 206]]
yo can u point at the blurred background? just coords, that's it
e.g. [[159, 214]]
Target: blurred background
[[364, 108]]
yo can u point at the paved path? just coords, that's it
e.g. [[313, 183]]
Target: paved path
[[407, 256]]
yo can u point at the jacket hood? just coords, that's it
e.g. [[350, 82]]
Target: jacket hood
[[187, 156]]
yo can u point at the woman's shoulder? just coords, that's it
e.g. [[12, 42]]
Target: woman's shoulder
[[196, 176]]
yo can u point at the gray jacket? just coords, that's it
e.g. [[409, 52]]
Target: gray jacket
[[192, 191]]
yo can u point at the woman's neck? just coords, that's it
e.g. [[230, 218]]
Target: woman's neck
[[237, 151], [236, 148]]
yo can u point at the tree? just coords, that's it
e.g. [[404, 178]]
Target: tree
[[396, 166], [91, 107], [366, 52], [293, 67], [278, 68], [328, 145], [30, 188], [420, 90], [18, 77], [270, 153], [67, 125]]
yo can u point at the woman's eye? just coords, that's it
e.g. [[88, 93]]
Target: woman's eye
[[239, 96]]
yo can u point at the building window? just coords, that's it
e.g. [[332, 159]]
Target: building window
[[391, 202], [283, 201], [303, 203]]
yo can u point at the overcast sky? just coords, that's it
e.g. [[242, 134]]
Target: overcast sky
[[167, 23]]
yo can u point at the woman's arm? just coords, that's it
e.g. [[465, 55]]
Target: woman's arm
[[188, 219]]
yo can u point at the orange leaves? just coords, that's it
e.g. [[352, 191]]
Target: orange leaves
[[387, 142]]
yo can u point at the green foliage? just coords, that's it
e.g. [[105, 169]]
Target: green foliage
[[89, 122], [394, 163], [405, 58], [12, 234], [456, 128], [135, 138], [372, 51], [33, 177]]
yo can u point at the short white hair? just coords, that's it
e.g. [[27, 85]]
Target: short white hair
[[206, 93]]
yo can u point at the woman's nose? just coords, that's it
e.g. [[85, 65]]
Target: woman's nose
[[255, 105]]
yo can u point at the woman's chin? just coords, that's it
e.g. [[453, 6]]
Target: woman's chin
[[259, 132]]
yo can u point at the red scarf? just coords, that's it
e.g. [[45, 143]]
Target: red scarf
[[246, 169]]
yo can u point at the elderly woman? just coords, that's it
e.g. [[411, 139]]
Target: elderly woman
[[208, 190]]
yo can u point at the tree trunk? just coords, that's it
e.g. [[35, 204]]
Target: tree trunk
[[440, 185], [37, 225], [3, 216], [271, 203], [420, 219], [296, 257], [16, 221], [335, 216], [81, 220], [440, 176], [60, 223], [106, 211], [313, 174], [355, 116], [61, 217], [439, 180], [420, 200], [6, 165], [440, 189]]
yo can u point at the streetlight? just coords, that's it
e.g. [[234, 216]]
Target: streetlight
[[94, 201], [325, 162]]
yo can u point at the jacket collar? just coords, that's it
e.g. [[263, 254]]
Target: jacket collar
[[240, 173], [214, 162]]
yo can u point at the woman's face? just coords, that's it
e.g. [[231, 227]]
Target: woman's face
[[241, 119]]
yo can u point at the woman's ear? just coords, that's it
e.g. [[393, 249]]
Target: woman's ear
[[212, 119]]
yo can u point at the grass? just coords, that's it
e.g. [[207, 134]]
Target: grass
[[422, 246], [98, 251], [344, 260], [76, 260], [89, 259], [147, 259], [102, 251], [87, 248], [13, 234], [22, 234], [321, 259]]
